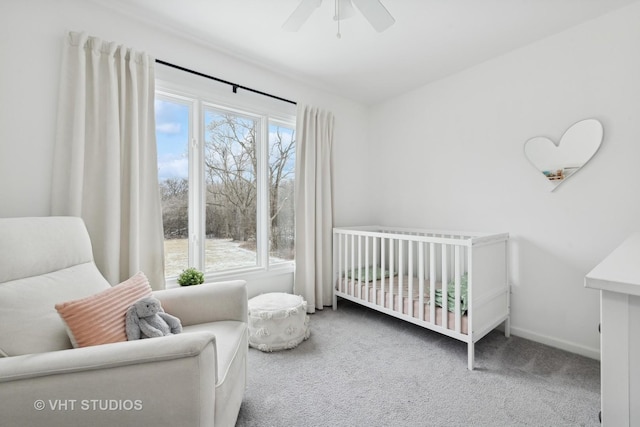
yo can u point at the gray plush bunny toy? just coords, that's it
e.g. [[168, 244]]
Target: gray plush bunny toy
[[147, 319]]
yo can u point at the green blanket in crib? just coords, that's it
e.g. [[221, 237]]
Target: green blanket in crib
[[363, 273], [451, 296]]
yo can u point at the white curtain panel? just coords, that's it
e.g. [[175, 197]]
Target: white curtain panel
[[314, 207], [105, 163]]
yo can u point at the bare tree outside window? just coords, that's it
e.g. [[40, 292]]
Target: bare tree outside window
[[230, 156], [230, 165], [282, 150]]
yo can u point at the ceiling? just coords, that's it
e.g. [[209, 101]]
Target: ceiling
[[430, 39]]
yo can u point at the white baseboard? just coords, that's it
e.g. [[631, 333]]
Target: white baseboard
[[593, 353]]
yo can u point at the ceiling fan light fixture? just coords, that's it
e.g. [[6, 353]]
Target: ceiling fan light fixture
[[343, 10]]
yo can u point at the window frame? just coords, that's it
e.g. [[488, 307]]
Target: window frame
[[199, 100]]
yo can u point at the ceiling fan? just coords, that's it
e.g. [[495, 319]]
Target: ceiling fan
[[373, 10]]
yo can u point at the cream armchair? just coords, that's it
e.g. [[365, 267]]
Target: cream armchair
[[196, 378]]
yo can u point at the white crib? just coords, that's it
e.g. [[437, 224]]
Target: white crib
[[391, 270]]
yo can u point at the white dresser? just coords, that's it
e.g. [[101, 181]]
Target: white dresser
[[618, 279]]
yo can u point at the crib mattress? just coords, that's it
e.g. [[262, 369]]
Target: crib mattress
[[382, 299]]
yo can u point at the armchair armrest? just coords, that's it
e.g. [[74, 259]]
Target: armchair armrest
[[126, 383], [208, 302], [104, 356]]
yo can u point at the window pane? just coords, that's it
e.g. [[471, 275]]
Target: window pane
[[281, 184], [230, 165], [172, 136]]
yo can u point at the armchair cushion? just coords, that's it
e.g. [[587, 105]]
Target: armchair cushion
[[43, 261], [29, 321], [100, 318], [40, 245]]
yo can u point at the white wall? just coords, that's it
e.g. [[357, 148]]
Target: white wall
[[31, 35], [452, 153]]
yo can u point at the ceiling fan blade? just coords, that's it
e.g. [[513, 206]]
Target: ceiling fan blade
[[301, 14], [377, 15]]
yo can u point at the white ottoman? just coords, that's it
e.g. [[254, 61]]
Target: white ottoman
[[277, 321]]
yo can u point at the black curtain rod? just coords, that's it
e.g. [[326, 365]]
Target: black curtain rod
[[235, 86]]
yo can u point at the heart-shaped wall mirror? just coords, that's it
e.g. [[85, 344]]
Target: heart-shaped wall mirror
[[560, 161]]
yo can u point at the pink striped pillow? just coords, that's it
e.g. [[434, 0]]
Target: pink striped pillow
[[100, 318]]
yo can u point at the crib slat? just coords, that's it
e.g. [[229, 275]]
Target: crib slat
[[445, 281], [421, 280], [341, 265], [432, 282], [352, 265], [359, 253], [391, 275], [340, 271], [410, 274], [400, 304], [457, 288], [374, 263], [347, 251], [383, 250], [366, 266]]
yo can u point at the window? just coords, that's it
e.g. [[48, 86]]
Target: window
[[226, 178]]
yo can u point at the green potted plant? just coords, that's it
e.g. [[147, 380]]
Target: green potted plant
[[190, 276]]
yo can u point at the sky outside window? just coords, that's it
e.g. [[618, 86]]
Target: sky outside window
[[172, 136]]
